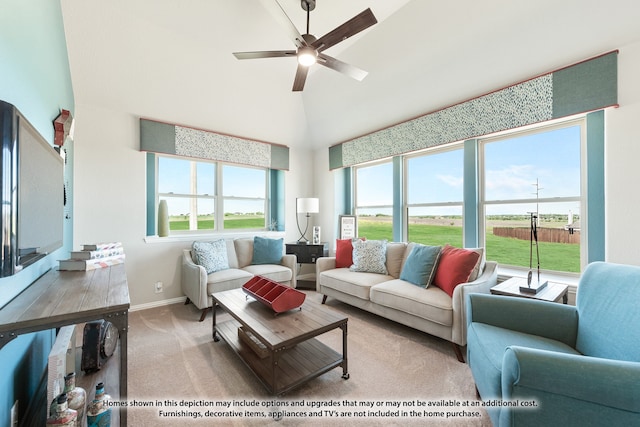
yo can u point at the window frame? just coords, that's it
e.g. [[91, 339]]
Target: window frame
[[218, 197], [356, 207], [580, 121], [454, 146]]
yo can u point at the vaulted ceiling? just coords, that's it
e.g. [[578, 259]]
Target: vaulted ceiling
[[171, 60]]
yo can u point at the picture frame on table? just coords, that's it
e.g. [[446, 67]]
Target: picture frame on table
[[348, 227]]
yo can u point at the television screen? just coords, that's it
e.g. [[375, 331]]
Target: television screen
[[32, 190]]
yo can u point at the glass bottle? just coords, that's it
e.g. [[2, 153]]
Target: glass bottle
[[76, 397], [98, 411], [64, 416]]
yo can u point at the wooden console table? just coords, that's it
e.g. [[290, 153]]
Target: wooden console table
[[61, 298]]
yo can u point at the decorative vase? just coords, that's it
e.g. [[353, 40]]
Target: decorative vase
[[163, 219], [63, 416], [98, 411], [76, 397], [316, 235]]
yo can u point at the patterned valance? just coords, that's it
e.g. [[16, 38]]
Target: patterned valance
[[587, 86], [183, 141]]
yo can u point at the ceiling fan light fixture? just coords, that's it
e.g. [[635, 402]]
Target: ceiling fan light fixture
[[307, 56]]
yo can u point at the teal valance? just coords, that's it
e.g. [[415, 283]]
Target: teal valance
[[157, 137], [587, 86]]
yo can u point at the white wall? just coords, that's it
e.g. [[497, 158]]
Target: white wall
[[110, 199], [621, 165]]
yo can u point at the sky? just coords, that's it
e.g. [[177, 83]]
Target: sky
[[175, 176], [512, 167]]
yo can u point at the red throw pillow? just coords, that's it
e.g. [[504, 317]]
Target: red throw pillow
[[344, 252], [455, 267]]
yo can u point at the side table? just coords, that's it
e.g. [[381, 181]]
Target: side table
[[553, 292], [307, 254]]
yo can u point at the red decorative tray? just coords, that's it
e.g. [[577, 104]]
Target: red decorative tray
[[278, 297]]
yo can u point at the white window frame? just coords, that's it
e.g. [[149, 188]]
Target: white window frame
[[218, 196], [405, 182], [547, 127]]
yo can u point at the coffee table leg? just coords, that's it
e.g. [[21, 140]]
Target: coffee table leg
[[216, 338], [345, 368]]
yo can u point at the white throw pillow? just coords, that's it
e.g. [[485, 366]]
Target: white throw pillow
[[369, 256], [211, 255]]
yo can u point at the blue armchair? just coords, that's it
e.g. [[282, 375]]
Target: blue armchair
[[570, 366]]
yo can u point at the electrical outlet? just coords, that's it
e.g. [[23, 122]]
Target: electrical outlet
[[159, 287], [14, 414]]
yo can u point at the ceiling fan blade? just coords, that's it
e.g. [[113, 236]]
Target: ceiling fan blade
[[353, 26], [301, 77], [264, 54], [279, 14], [343, 67]]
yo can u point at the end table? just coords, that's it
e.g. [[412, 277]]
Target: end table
[[307, 254], [553, 292]]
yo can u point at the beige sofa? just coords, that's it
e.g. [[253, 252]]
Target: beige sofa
[[198, 286], [430, 310]]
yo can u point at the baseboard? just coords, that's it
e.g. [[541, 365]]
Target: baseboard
[[155, 304]]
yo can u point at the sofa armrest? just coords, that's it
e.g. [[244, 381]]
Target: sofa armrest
[[290, 261], [482, 284], [570, 389], [193, 281], [546, 319], [324, 264]]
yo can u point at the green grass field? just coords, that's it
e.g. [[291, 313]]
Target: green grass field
[[504, 250], [230, 223]]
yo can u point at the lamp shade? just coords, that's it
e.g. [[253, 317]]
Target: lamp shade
[[307, 205]]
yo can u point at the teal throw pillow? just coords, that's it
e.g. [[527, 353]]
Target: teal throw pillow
[[267, 251], [369, 256], [420, 266], [211, 255]]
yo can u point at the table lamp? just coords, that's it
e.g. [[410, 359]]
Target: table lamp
[[306, 206]]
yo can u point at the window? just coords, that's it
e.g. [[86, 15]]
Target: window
[[374, 200], [210, 196], [534, 176], [434, 194]]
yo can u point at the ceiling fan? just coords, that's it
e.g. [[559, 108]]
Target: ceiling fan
[[309, 48]]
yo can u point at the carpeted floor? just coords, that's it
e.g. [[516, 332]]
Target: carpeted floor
[[177, 369]]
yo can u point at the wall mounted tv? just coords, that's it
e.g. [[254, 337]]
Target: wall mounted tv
[[32, 191]]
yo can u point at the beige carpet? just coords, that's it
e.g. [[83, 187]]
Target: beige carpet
[[173, 359]]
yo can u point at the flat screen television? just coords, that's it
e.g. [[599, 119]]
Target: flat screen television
[[32, 191]]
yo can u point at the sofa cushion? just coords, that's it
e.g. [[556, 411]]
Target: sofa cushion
[[267, 251], [369, 256], [420, 266], [227, 279], [396, 254], [357, 284], [274, 272], [431, 304], [212, 255], [479, 267], [244, 251], [455, 267]]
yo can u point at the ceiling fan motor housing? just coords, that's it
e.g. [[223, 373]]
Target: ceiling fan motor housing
[[308, 5]]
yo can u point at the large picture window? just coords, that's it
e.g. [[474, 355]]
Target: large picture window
[[534, 174], [374, 200], [434, 194], [211, 196]]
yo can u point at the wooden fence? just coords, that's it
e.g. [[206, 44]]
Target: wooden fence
[[553, 235]]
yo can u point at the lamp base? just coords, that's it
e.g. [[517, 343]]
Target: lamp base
[[534, 288]]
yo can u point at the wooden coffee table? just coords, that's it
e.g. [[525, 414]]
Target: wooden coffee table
[[553, 292], [293, 354]]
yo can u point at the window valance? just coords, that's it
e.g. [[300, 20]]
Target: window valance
[[167, 138], [587, 86]]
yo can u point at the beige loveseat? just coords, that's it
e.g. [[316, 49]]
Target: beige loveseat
[[198, 286], [430, 310]]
